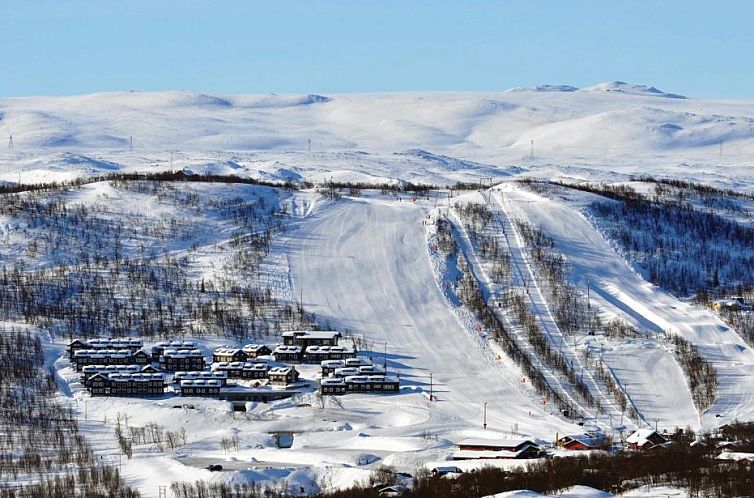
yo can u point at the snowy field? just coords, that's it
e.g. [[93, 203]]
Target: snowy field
[[364, 264]]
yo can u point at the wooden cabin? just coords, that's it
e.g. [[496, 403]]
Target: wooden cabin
[[129, 343], [308, 338], [127, 384], [229, 355], [329, 366], [84, 357], [222, 377], [256, 350], [372, 384], [645, 439], [581, 442], [201, 387], [318, 354], [288, 354], [88, 371], [173, 360], [242, 370], [471, 449], [332, 386], [161, 346], [282, 376]]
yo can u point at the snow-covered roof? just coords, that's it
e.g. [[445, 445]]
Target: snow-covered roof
[[332, 381], [346, 371], [641, 437], [496, 443], [227, 351], [358, 361], [176, 344], [446, 469], [287, 349], [371, 369], [589, 440], [327, 349], [136, 377], [102, 353], [110, 368], [253, 348], [281, 370], [239, 365], [201, 374], [98, 343], [369, 379], [181, 353], [333, 363], [736, 456], [312, 334], [488, 454]]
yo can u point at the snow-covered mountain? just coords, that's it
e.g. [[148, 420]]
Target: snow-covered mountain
[[371, 264], [614, 125]]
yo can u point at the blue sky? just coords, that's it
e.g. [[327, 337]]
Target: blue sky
[[60, 47]]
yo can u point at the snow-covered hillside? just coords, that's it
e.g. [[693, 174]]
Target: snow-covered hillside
[[547, 130], [202, 259]]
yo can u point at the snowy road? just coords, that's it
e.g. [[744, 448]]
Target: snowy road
[[364, 267]]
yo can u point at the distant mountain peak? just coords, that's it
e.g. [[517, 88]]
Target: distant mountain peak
[[544, 88], [618, 86]]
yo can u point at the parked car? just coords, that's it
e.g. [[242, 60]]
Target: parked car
[[215, 467]]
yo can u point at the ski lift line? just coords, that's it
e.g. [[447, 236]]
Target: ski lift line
[[562, 342], [589, 376], [493, 359], [596, 386], [574, 404]]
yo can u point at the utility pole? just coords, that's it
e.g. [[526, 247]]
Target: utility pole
[[171, 160], [431, 395], [10, 141], [131, 142], [588, 302], [531, 155], [384, 358], [309, 145], [721, 148], [485, 416]]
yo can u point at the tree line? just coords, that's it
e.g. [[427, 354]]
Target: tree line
[[43, 453]]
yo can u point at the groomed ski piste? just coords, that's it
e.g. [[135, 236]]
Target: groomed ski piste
[[363, 264]]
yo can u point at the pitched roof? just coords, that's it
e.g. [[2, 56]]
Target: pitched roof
[[640, 437], [496, 443]]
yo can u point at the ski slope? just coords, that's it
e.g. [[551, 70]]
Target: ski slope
[[615, 286], [363, 265]]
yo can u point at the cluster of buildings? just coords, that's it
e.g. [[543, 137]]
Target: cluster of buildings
[[123, 367], [507, 449], [354, 375]]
